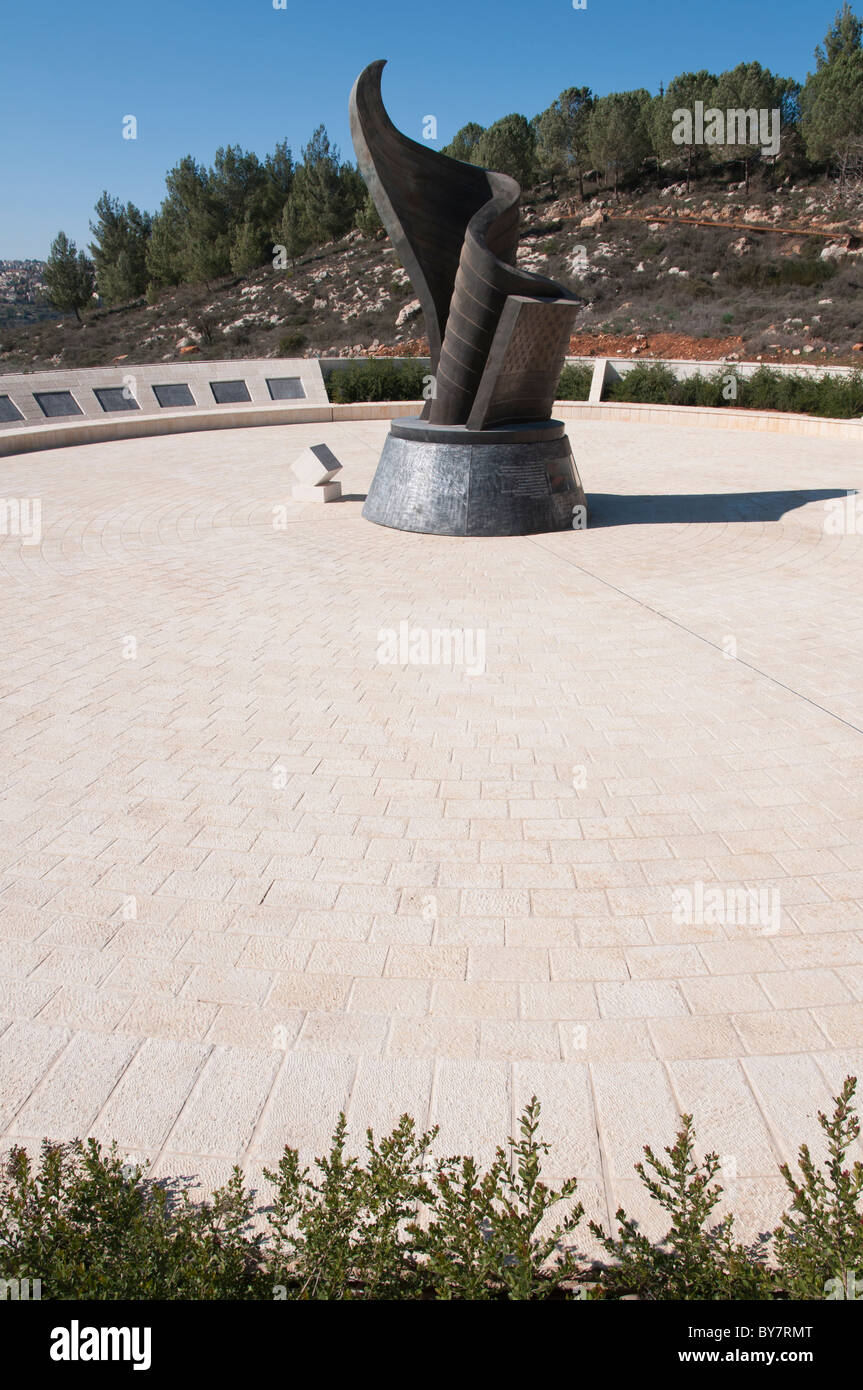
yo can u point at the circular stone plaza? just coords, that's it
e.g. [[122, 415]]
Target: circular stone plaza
[[300, 814]]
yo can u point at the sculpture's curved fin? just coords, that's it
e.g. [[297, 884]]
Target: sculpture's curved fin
[[455, 228], [425, 200]]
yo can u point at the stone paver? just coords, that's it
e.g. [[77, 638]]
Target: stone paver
[[252, 875]]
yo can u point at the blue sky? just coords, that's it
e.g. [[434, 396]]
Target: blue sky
[[213, 72]]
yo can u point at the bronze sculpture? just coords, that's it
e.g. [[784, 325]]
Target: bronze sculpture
[[484, 458]]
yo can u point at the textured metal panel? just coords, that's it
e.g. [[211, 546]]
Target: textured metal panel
[[526, 359], [421, 487]]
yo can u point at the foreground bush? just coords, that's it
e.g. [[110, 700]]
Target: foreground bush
[[89, 1226], [401, 1225], [354, 1228], [696, 1260], [820, 1240]]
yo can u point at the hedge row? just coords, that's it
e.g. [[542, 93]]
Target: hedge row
[[88, 1226], [803, 394], [382, 379]]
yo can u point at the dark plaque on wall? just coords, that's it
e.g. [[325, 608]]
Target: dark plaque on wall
[[229, 392], [175, 393], [115, 398], [286, 388], [57, 403]]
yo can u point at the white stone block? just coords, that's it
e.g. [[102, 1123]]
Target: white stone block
[[315, 465], [318, 492]]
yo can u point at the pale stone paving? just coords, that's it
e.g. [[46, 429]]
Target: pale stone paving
[[250, 875]]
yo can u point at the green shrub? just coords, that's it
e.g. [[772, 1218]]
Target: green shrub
[[399, 1225], [713, 390], [482, 1240], [344, 1231], [831, 396], [574, 383], [291, 344], [774, 275], [351, 1230], [378, 379], [820, 1241], [89, 1226], [838, 397], [694, 1260], [648, 383]]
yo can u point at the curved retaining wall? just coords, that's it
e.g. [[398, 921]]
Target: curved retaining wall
[[27, 438], [137, 399], [708, 417]]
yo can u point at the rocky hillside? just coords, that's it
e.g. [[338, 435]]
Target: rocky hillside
[[775, 274]]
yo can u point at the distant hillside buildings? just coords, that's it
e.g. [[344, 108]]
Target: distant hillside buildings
[[22, 292], [21, 281]]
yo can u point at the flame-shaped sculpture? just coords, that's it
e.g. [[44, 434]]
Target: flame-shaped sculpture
[[497, 338]]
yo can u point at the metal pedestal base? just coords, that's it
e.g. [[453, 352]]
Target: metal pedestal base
[[447, 480]]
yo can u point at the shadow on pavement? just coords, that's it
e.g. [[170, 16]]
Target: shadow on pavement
[[620, 509]]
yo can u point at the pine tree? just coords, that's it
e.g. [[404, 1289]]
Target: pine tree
[[832, 100], [508, 147], [165, 248], [617, 134], [191, 236], [368, 219], [751, 87], [561, 136], [248, 247], [681, 94], [843, 38], [69, 276], [289, 234], [119, 249], [463, 144], [279, 169], [323, 193]]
